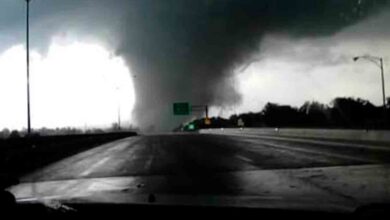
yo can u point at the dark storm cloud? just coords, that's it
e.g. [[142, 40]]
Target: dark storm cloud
[[184, 50]]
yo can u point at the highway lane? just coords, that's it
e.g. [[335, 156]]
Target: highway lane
[[244, 170], [199, 154]]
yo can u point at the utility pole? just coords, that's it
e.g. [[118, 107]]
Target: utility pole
[[28, 67], [383, 89]]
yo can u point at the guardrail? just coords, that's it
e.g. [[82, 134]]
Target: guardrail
[[341, 134]]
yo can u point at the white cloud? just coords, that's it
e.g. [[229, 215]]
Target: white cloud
[[74, 84]]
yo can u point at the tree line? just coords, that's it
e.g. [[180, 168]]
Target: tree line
[[7, 133], [341, 112]]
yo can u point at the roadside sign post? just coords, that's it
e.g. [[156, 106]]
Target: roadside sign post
[[184, 108], [204, 108], [240, 123], [207, 121]]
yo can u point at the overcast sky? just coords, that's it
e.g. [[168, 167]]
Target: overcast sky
[[92, 58]]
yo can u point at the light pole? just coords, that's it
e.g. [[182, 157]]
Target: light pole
[[28, 67], [378, 61]]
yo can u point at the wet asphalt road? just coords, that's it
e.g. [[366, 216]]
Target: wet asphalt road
[[199, 155], [224, 170]]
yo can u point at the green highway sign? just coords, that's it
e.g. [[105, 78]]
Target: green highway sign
[[181, 108]]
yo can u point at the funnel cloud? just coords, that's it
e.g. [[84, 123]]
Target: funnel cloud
[[187, 50]]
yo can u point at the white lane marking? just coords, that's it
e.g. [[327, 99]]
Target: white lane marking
[[36, 199], [67, 165], [95, 166], [240, 157]]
